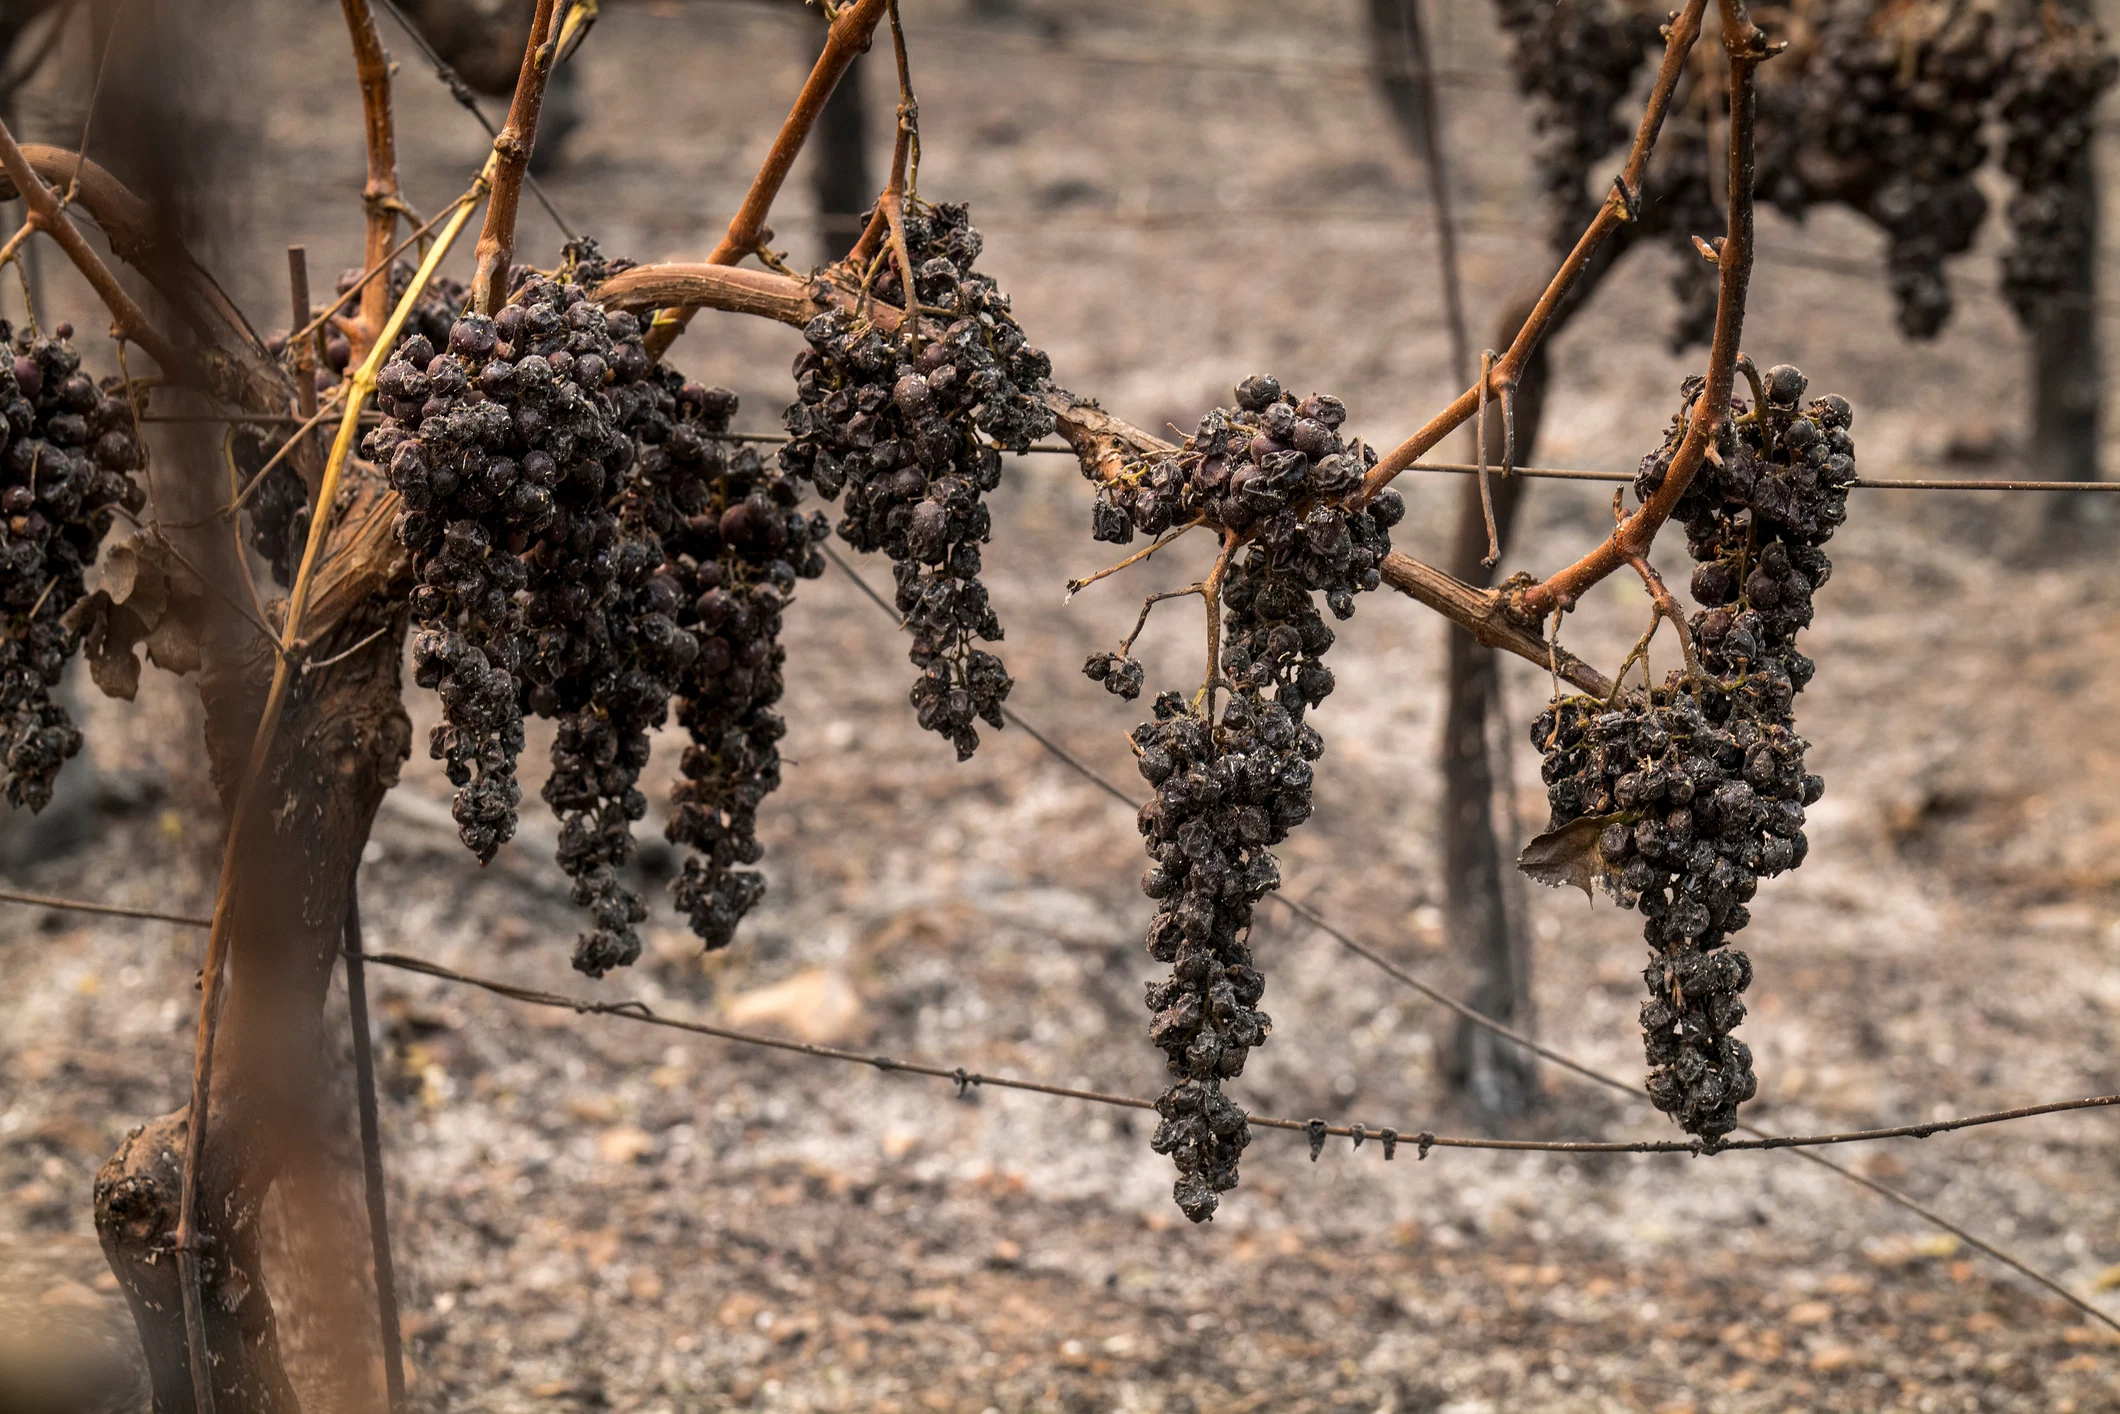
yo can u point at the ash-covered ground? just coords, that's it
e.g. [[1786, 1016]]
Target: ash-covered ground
[[593, 1214]]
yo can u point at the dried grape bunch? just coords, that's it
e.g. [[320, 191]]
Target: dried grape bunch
[[1882, 109], [599, 647], [1274, 469], [1691, 792], [911, 429], [2057, 72], [1219, 791], [67, 453], [1228, 789], [278, 509], [504, 441], [735, 542], [1891, 111]]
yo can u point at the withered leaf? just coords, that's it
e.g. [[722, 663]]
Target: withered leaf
[[174, 644], [134, 575], [1570, 855], [109, 632], [147, 595]]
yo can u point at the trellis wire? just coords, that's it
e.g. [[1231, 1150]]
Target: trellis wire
[[1537, 473], [965, 1078]]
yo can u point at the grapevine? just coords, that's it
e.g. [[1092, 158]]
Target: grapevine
[[575, 532]]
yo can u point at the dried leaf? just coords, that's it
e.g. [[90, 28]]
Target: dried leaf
[[148, 594], [174, 644], [109, 633], [134, 575], [1570, 855]]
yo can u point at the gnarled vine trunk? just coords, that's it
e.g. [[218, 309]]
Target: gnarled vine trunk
[[344, 739]]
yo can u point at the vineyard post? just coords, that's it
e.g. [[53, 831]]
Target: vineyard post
[[1482, 917], [1478, 919], [2068, 375]]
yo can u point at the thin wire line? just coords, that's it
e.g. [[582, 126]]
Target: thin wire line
[[640, 1011], [1315, 1129], [1544, 473]]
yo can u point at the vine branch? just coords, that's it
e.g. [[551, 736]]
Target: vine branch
[[848, 38], [1630, 540], [129, 321], [380, 198], [1618, 209], [511, 151], [232, 357]]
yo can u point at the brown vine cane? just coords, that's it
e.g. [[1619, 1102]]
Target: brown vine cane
[[511, 151], [848, 39], [1683, 30], [381, 201]]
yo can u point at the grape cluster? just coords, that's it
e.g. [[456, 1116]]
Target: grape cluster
[[2046, 106], [1228, 789], [1900, 109], [67, 453], [735, 542], [1275, 470], [911, 430], [1699, 784], [505, 451], [279, 508], [1884, 111]]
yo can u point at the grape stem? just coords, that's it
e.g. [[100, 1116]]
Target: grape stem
[[511, 151], [1126, 648], [380, 200], [905, 165], [1479, 437], [1075, 586], [1746, 48], [15, 242], [129, 321], [851, 30], [1211, 591], [1663, 606], [1666, 607], [1616, 211]]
